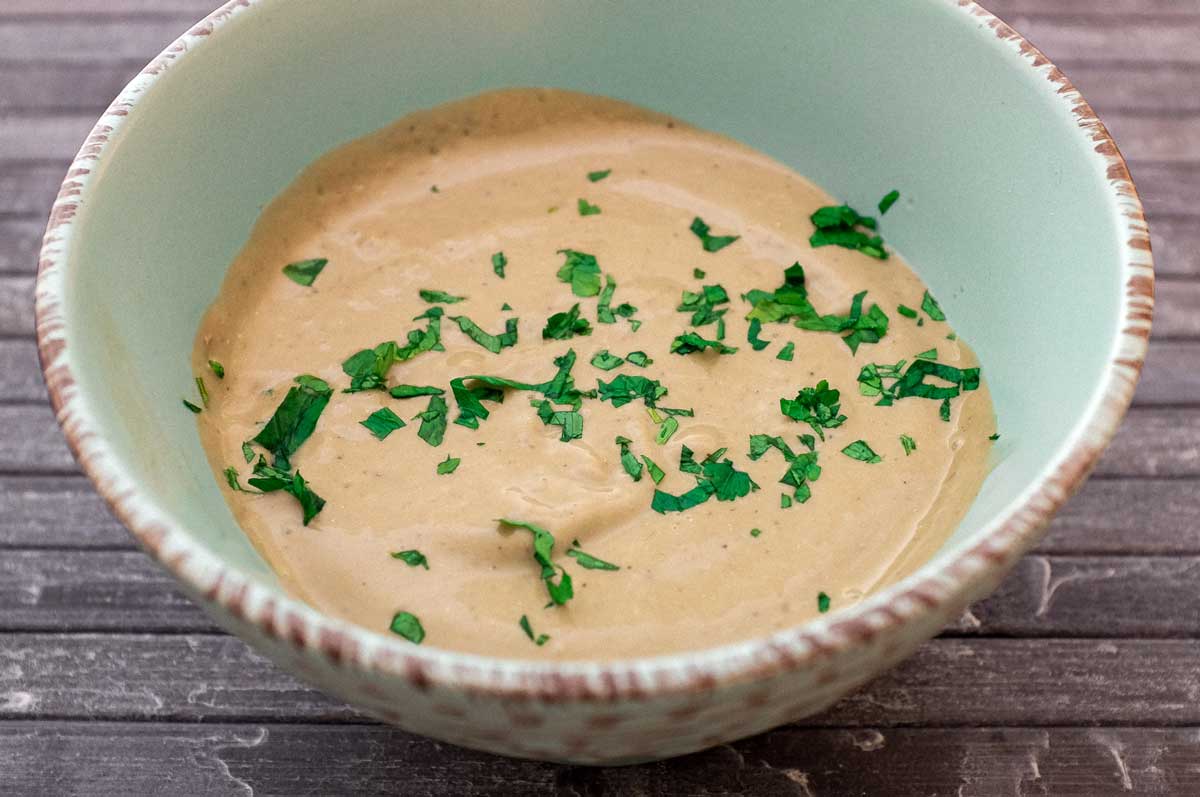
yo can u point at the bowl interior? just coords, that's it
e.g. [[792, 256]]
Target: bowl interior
[[1007, 214]]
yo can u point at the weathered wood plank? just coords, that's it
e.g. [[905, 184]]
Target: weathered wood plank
[[20, 240], [1155, 88], [123, 590], [20, 374], [948, 682], [118, 759], [29, 87], [28, 189], [1081, 8], [56, 511], [1152, 442], [1149, 517]]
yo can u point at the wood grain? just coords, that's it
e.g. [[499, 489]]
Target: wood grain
[[118, 759], [947, 683], [56, 511]]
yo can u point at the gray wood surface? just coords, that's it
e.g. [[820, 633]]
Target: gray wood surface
[[1079, 676]]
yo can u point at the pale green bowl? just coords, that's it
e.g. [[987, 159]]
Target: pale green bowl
[[1022, 219]]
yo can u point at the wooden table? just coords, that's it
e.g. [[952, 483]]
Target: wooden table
[[1080, 676]]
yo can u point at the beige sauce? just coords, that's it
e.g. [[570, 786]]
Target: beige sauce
[[509, 168]]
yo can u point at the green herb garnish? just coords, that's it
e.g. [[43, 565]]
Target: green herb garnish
[[628, 461], [802, 468], [787, 352], [931, 307], [272, 478], [570, 421], [605, 313], [440, 296], [217, 368], [717, 477], [596, 177], [303, 272], [944, 410], [448, 465], [606, 361], [929, 354], [247, 452], [543, 549], [862, 452], [656, 473], [817, 406], [690, 342], [710, 243], [412, 391], [699, 273], [202, 389], [499, 261], [538, 640], [493, 343], [703, 305], [755, 532], [994, 436], [192, 407], [563, 326], [911, 382], [408, 626], [888, 200], [382, 423], [587, 208], [433, 421], [582, 271], [294, 419], [368, 368], [231, 477], [823, 602], [906, 311], [790, 301], [908, 444], [839, 225], [666, 430], [624, 388], [638, 358], [756, 343], [589, 562], [412, 558]]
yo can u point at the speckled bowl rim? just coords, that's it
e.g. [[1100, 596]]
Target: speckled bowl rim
[[945, 589]]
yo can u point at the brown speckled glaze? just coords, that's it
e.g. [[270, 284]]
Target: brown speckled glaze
[[592, 713]]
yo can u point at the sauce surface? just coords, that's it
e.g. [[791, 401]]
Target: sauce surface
[[509, 168]]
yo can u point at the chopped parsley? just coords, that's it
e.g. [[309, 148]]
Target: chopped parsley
[[699, 273], [994, 436], [703, 305], [717, 477], [564, 326], [217, 368], [499, 261], [589, 562], [656, 473], [628, 461], [412, 391], [440, 296], [433, 421], [932, 308], [756, 343], [543, 550], [817, 406], [382, 423], [666, 430], [304, 272], [862, 452], [192, 407], [368, 368], [802, 468], [755, 532], [839, 225], [247, 453], [606, 361], [638, 358], [570, 421], [560, 389], [790, 300], [582, 271], [231, 477], [587, 208], [408, 626], [906, 311], [944, 410], [710, 243], [823, 602], [596, 177], [294, 419], [911, 382], [888, 200], [690, 342], [202, 389], [787, 352], [930, 354], [908, 444], [412, 558], [606, 314], [624, 388], [538, 640], [493, 343], [448, 465], [270, 479]]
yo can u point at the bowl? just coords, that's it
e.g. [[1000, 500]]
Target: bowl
[[1029, 231]]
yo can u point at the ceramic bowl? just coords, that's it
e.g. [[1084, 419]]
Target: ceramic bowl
[[1027, 228]]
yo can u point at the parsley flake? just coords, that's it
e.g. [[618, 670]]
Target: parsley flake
[[543, 549], [606, 361], [690, 342], [563, 326], [862, 452], [412, 391], [412, 558], [710, 243], [717, 477], [656, 473], [499, 261], [802, 468], [440, 296], [666, 430], [294, 419], [787, 352], [448, 465], [624, 388], [589, 562], [790, 301], [217, 368], [408, 626], [628, 461], [269, 479], [699, 273], [382, 423], [433, 421], [703, 305], [192, 407], [582, 271], [639, 358], [838, 225], [231, 477], [493, 343], [756, 343], [888, 200], [817, 406], [823, 602], [932, 308], [906, 311], [596, 177], [755, 532], [538, 640], [908, 444], [247, 452], [588, 209], [930, 354], [202, 389], [994, 436], [304, 272]]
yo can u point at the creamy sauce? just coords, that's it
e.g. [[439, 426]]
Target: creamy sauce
[[509, 168]]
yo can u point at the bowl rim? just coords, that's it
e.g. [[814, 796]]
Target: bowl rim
[[927, 594]]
